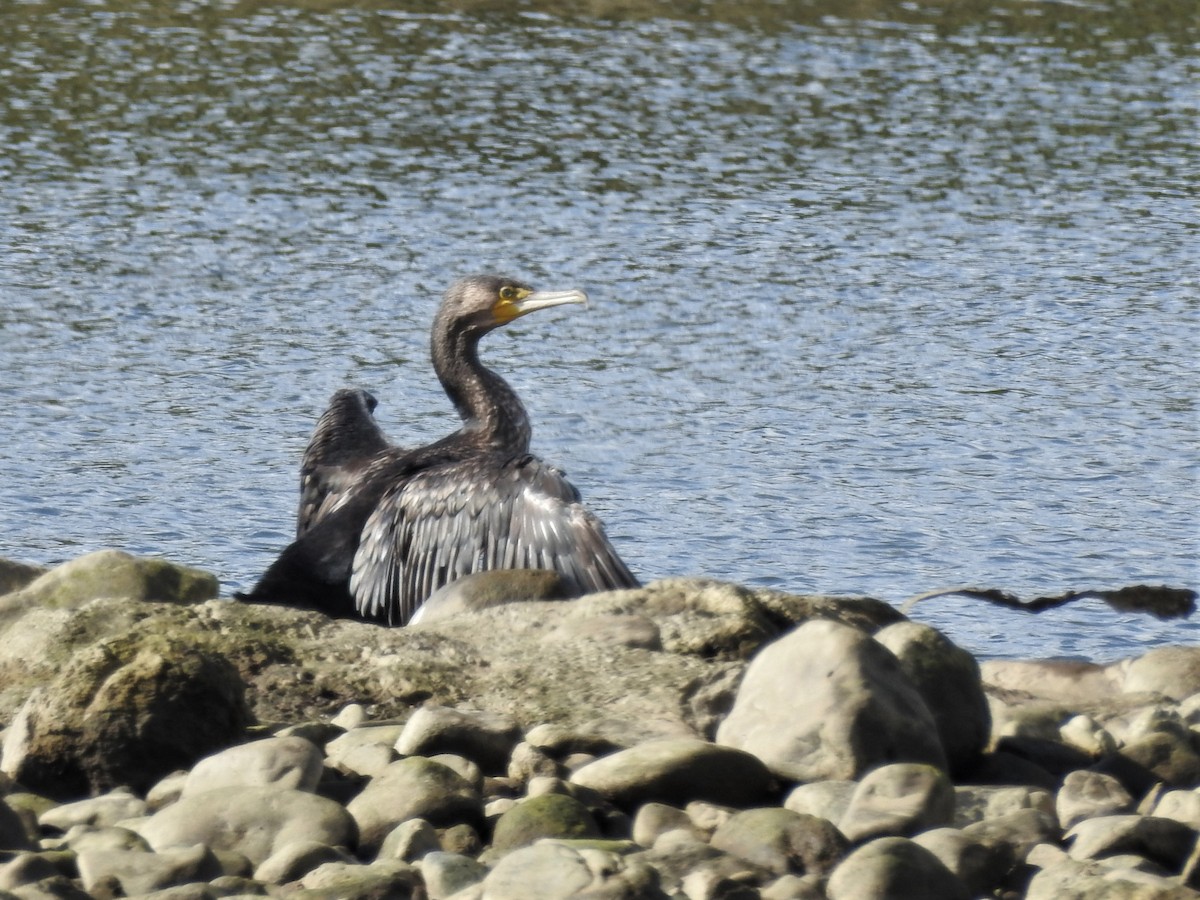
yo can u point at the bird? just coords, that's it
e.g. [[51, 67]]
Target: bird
[[381, 527]]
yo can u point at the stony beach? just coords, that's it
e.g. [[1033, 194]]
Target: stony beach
[[690, 739]]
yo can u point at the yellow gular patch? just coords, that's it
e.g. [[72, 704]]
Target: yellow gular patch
[[505, 309]]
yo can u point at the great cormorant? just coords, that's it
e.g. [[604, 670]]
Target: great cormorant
[[380, 528]]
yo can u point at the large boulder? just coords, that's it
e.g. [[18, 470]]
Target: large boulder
[[828, 702], [126, 711], [948, 679]]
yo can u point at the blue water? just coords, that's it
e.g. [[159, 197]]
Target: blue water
[[879, 305]]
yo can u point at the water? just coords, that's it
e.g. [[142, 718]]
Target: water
[[882, 303]]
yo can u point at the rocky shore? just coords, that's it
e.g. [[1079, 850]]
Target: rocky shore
[[691, 740]]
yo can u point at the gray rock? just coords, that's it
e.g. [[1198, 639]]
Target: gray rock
[[677, 854], [1070, 681], [485, 738], [447, 873], [794, 887], [824, 799], [126, 711], [409, 841], [13, 834], [58, 887], [980, 867], [463, 766], [413, 788], [294, 860], [1160, 756], [974, 803], [389, 879], [486, 589], [900, 799], [166, 791], [108, 809], [782, 841], [285, 762], [707, 885], [1182, 806], [113, 573], [1171, 671], [1165, 841], [16, 575], [559, 741], [1073, 880], [545, 816], [138, 872], [948, 680], [828, 702], [560, 872], [894, 868], [254, 821], [528, 762], [1020, 831], [675, 771], [1087, 735], [1085, 795], [653, 820], [110, 837], [26, 868]]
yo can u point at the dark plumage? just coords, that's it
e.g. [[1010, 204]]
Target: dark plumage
[[380, 528]]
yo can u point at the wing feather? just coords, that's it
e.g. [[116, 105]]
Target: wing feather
[[473, 515], [342, 445]]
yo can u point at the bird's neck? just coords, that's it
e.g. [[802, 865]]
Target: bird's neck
[[492, 414]]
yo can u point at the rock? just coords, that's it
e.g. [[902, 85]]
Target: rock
[[828, 702], [447, 873], [26, 868], [1051, 755], [166, 791], [894, 868], [409, 841], [286, 762], [1160, 756], [109, 837], [706, 885], [486, 589], [112, 573], [1021, 831], [108, 809], [470, 772], [58, 887], [974, 803], [485, 738], [1068, 681], [13, 835], [546, 816], [562, 872], [948, 680], [254, 821], [676, 771], [413, 788], [900, 799], [782, 841], [1182, 806], [653, 820], [1087, 735], [1000, 768], [1171, 671], [794, 887], [294, 860], [127, 711], [1073, 880], [824, 799], [678, 854], [15, 575], [559, 741], [388, 879], [462, 839], [1165, 841], [1086, 795], [980, 867], [138, 872]]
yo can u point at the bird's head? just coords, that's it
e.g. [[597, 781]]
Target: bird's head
[[480, 303]]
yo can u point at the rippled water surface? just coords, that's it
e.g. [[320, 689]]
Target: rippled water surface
[[887, 297]]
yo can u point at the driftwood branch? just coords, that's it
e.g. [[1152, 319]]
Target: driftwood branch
[[1161, 601]]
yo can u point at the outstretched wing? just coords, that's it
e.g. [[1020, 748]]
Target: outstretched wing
[[344, 443], [471, 516]]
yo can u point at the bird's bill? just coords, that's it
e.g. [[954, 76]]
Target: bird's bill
[[545, 299]]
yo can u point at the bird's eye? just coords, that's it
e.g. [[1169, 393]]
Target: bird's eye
[[508, 292]]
